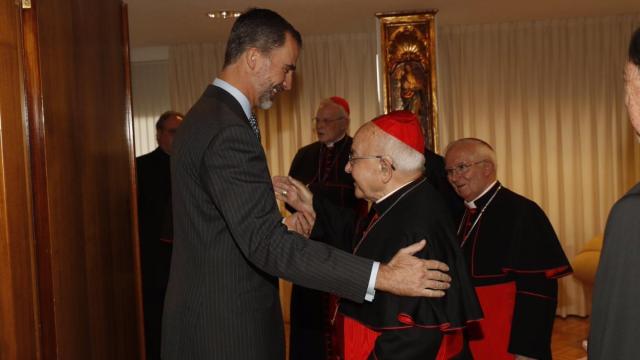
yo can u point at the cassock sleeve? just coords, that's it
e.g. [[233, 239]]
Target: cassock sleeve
[[533, 316], [406, 344], [295, 172], [537, 263], [334, 224]]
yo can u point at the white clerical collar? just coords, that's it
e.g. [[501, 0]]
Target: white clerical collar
[[472, 204], [330, 144], [394, 191], [237, 94]]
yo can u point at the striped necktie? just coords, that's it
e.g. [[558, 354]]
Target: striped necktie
[[254, 125]]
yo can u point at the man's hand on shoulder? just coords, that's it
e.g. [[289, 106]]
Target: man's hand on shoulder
[[407, 275]]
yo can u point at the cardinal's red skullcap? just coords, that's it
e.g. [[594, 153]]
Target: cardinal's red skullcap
[[404, 126], [342, 102]]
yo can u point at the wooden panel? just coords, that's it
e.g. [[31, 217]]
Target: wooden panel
[[18, 301], [86, 257]]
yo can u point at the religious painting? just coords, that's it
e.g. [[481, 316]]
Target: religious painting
[[408, 67]]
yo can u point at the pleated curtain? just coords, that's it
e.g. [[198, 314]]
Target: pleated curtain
[[150, 93]]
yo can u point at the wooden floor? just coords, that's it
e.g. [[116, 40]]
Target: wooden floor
[[566, 341]]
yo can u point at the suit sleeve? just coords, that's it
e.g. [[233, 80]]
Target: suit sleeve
[[235, 176]]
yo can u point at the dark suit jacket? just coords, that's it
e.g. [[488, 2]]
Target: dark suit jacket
[[614, 319], [155, 223], [229, 243]]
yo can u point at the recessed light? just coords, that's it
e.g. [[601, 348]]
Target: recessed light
[[224, 14]]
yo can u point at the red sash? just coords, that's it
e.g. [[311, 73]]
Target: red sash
[[359, 341], [489, 338]]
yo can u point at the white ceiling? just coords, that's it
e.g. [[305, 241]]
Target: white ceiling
[[167, 22]]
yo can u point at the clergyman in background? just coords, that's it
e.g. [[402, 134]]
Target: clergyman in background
[[316, 330], [513, 254], [155, 225]]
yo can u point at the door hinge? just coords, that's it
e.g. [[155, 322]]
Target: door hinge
[[26, 4]]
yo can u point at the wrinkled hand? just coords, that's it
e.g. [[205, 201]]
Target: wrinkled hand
[[407, 275], [293, 192], [300, 222]]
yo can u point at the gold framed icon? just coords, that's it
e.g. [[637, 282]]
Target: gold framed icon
[[408, 67]]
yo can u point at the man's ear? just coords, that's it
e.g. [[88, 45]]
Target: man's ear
[[488, 168], [251, 58], [386, 169]]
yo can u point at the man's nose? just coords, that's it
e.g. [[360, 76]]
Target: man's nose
[[288, 81], [347, 168]]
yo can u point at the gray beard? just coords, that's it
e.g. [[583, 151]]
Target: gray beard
[[265, 101], [265, 104]]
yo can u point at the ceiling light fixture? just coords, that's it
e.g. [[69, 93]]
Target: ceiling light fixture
[[224, 14]]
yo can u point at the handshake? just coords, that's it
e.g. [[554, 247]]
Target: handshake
[[295, 194]]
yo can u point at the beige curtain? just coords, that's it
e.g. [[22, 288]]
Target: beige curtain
[[546, 94], [150, 92], [549, 96], [342, 65]]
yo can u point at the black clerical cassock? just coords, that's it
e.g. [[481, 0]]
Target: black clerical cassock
[[514, 260], [395, 326]]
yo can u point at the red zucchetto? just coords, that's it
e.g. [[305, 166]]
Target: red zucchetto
[[341, 102], [404, 126]]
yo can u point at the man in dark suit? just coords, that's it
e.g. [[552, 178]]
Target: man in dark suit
[[156, 227], [230, 243], [616, 314]]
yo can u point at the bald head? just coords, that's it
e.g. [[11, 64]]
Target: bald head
[[471, 167]]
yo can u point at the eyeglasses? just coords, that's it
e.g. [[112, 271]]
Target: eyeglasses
[[354, 158], [461, 168], [316, 120]]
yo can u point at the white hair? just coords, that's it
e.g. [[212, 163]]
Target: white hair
[[481, 149]]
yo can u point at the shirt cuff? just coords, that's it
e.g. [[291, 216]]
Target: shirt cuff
[[371, 289]]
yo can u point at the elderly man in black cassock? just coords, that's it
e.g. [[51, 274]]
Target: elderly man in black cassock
[[513, 254], [387, 164], [315, 332]]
